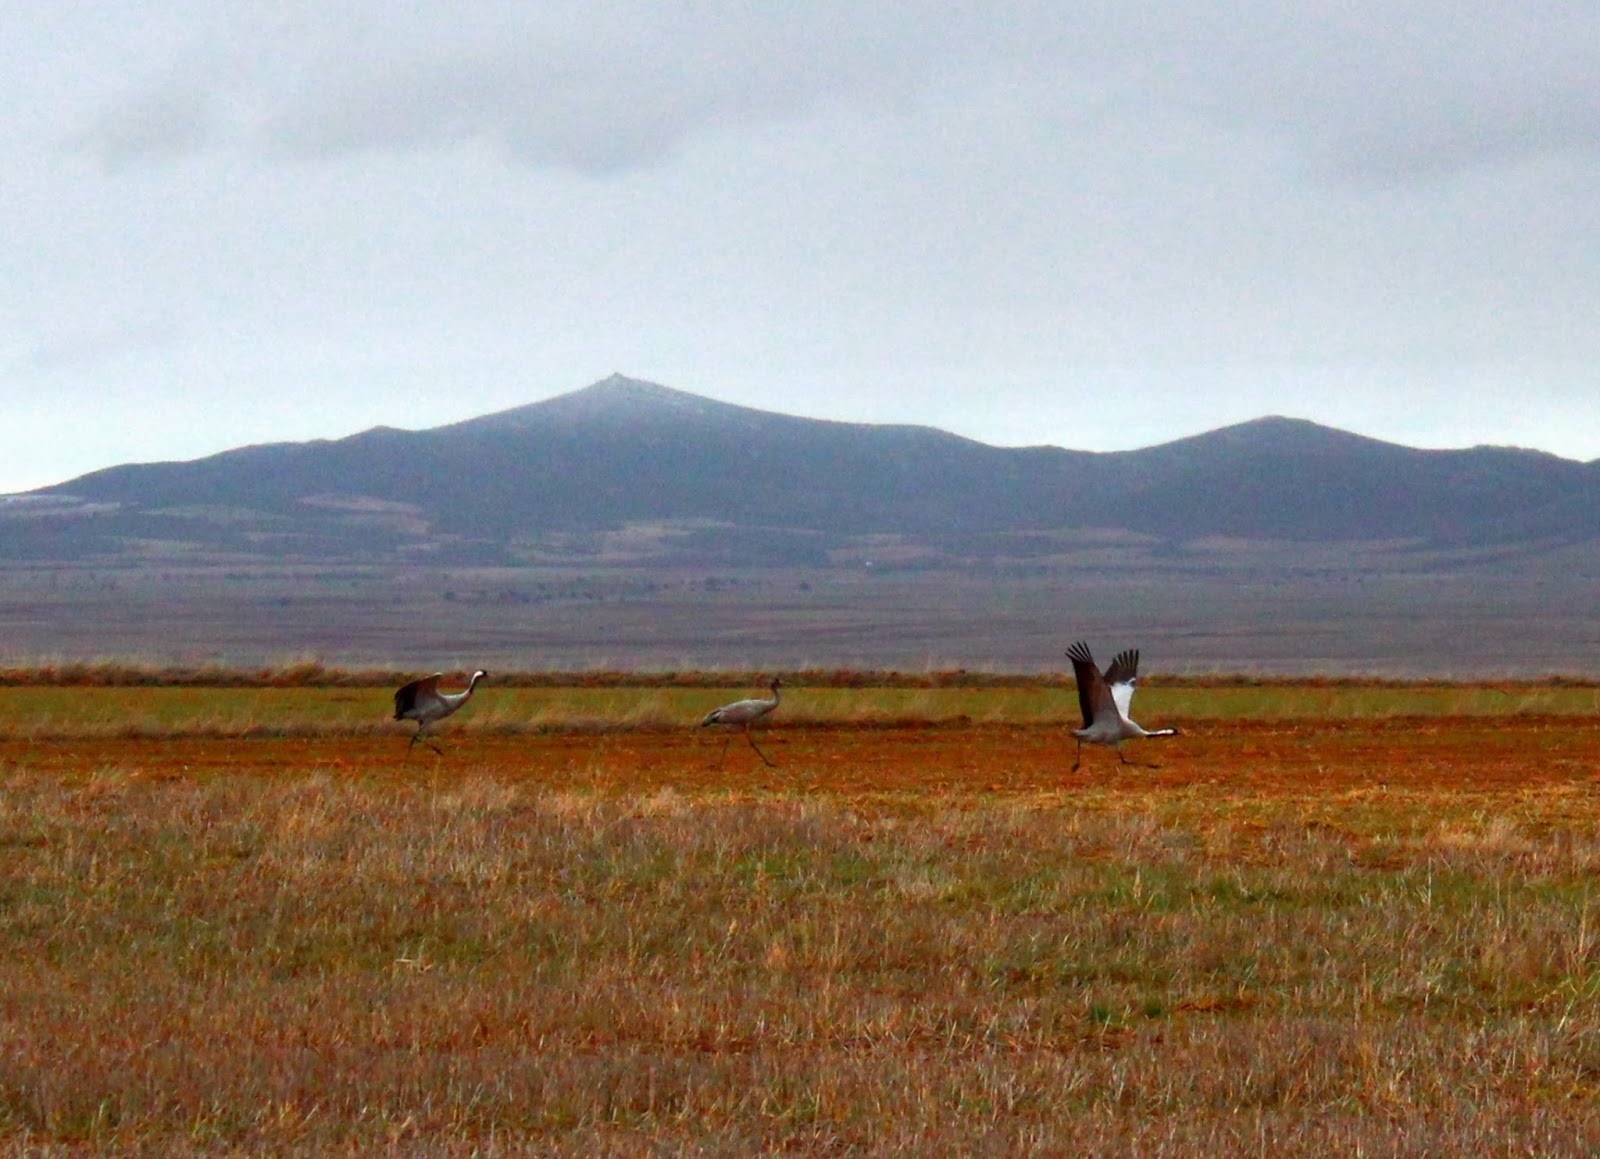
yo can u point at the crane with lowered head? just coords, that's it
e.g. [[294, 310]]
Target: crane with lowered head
[[741, 714]]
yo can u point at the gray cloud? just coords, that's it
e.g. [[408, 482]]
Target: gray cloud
[[1358, 90], [150, 125], [1380, 92], [91, 349], [612, 89]]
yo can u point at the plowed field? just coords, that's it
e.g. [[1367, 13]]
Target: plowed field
[[1465, 754]]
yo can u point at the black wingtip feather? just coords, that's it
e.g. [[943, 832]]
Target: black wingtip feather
[[1125, 668]]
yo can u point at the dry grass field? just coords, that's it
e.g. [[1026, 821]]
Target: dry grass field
[[1337, 919]]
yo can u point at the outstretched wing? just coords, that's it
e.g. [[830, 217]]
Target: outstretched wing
[[1121, 676], [405, 697], [1093, 695]]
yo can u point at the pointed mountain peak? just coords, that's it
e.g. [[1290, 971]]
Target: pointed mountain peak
[[613, 400], [619, 393]]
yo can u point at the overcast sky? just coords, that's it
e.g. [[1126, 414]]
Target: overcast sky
[[1097, 225]]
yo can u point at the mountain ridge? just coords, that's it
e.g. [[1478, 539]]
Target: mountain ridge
[[697, 480]]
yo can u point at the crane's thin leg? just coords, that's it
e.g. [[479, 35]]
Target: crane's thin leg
[[1078, 759], [759, 753], [1135, 764], [416, 736], [722, 755]]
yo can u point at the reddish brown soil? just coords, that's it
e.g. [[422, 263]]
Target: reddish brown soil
[[1467, 754]]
